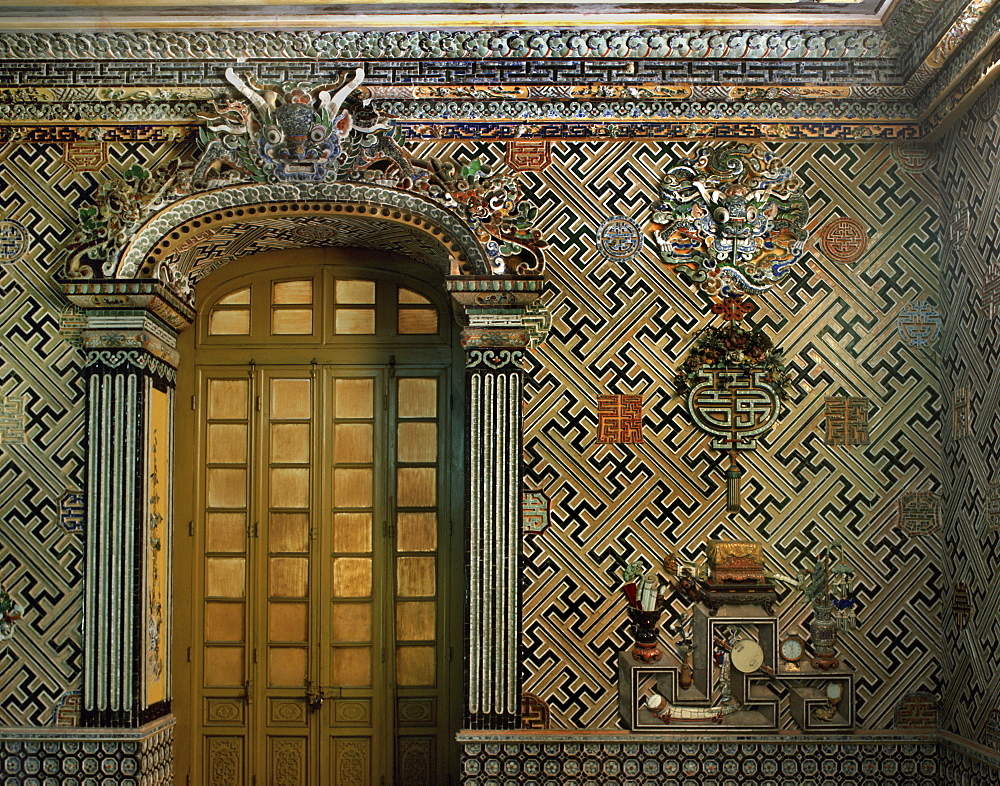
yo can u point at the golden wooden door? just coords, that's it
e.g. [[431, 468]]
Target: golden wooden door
[[321, 501]]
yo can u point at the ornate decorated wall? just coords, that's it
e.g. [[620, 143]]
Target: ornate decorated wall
[[970, 351], [620, 326]]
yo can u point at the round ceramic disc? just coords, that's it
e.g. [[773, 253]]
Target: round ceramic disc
[[747, 656]]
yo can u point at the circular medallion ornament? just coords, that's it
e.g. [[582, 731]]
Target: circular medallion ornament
[[619, 239], [13, 241], [915, 157], [844, 240]]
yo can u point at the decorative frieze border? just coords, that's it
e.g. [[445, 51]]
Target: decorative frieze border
[[863, 43], [566, 757]]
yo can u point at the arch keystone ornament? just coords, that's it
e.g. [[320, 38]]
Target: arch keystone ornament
[[731, 221], [732, 384], [286, 166]]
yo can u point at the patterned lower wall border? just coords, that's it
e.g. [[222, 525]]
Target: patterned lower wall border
[[611, 759], [88, 757], [964, 763]]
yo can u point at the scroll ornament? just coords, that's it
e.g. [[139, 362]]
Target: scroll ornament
[[732, 383], [731, 221], [307, 134]]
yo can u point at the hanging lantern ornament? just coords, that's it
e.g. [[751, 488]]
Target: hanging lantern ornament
[[732, 383]]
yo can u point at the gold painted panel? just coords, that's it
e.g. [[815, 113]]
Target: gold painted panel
[[351, 622], [287, 667], [226, 443], [352, 577], [352, 667], [352, 532], [291, 322], [417, 321], [417, 442], [415, 576], [225, 621], [228, 399], [416, 531], [289, 487], [416, 487], [287, 621], [225, 531], [355, 292], [352, 487], [353, 443], [229, 322], [415, 620], [226, 487], [224, 667], [415, 666], [225, 577], [291, 399], [288, 577], [288, 532], [354, 321], [354, 398], [285, 293], [417, 397], [289, 443]]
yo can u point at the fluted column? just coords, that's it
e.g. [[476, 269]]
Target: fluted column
[[499, 328], [130, 373]]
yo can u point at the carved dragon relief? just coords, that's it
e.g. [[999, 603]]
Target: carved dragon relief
[[309, 137], [731, 221]]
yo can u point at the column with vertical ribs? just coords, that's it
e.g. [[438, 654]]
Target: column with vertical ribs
[[130, 376]]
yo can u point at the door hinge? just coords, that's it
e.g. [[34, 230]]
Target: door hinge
[[451, 654], [254, 654], [253, 530], [258, 403], [194, 399], [388, 530], [187, 778], [188, 654], [191, 528]]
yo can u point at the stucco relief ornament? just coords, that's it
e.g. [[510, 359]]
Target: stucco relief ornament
[[316, 137], [732, 383], [731, 221]]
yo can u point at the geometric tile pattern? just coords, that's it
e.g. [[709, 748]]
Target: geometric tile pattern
[[696, 761], [625, 326], [969, 171], [617, 324], [40, 560], [83, 757]]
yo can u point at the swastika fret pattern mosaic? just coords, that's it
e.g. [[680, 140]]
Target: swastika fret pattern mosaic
[[41, 533], [624, 326], [970, 349]]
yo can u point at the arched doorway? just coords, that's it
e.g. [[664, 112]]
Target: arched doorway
[[318, 592]]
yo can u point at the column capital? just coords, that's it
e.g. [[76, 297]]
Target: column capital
[[130, 338]]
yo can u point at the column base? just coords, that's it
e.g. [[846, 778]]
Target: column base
[[74, 756]]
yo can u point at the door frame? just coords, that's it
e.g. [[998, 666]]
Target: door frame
[[139, 299]]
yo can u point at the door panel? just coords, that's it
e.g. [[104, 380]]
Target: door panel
[[321, 501]]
